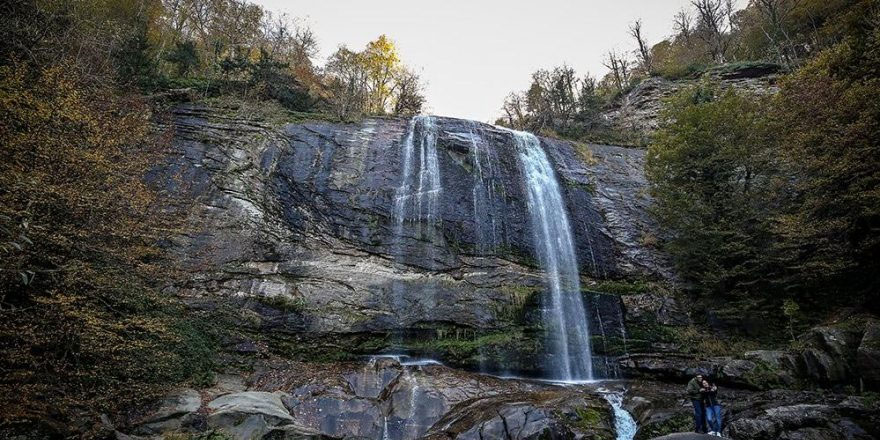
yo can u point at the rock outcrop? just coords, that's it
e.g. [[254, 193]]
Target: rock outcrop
[[295, 224], [638, 112]]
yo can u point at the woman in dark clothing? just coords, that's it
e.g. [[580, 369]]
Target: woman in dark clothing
[[709, 394]]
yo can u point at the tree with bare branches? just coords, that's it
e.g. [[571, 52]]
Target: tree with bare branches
[[713, 26], [644, 51]]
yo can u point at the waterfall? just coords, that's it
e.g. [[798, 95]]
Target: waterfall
[[624, 423], [485, 212], [566, 318], [419, 191]]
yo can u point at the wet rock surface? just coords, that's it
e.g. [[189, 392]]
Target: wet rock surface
[[295, 224], [412, 402]]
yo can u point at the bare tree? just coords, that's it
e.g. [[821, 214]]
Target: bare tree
[[644, 52], [409, 98], [683, 24], [515, 110], [713, 25], [619, 69]]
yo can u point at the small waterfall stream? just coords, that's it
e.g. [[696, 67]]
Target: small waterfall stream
[[418, 194], [566, 317], [624, 424]]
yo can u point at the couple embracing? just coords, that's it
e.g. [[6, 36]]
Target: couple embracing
[[707, 410]]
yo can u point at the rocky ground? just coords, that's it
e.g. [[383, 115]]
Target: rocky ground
[[382, 398]]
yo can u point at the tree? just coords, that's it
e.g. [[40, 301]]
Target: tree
[[775, 14], [713, 25], [185, 57], [348, 83], [409, 98], [683, 24], [644, 53], [709, 166], [381, 62], [619, 67], [829, 133], [514, 109]]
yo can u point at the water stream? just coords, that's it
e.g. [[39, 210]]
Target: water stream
[[418, 194], [565, 317], [624, 424]]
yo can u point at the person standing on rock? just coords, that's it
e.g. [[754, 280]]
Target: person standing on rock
[[709, 394], [693, 390]]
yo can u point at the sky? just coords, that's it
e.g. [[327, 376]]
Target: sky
[[473, 53]]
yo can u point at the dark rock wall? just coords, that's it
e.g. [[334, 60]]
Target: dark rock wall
[[295, 224]]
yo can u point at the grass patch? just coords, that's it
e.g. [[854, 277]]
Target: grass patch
[[624, 287]]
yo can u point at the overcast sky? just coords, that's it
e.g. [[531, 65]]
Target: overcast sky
[[473, 53]]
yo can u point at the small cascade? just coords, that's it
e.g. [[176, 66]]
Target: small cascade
[[385, 435], [566, 318], [416, 201], [622, 321], [624, 424], [417, 197], [485, 213], [604, 337]]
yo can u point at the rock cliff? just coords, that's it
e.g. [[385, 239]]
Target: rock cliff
[[296, 223]]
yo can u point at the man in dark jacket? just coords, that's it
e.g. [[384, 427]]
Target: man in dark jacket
[[693, 392]]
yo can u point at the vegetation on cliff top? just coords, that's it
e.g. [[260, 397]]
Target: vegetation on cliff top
[[776, 199], [710, 38]]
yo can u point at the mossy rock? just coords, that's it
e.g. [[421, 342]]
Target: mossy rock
[[682, 422]]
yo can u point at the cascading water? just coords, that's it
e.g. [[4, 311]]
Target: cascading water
[[416, 201], [624, 423], [418, 194], [485, 210], [565, 318]]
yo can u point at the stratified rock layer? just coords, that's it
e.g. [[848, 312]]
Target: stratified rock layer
[[295, 223]]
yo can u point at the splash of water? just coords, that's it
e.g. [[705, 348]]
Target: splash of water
[[566, 318], [624, 423]]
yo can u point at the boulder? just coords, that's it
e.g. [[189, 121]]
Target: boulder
[[173, 412], [248, 414], [868, 356]]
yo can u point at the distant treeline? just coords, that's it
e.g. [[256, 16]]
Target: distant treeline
[[208, 48]]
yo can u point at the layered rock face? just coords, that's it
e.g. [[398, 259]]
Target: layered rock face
[[297, 223], [638, 112]]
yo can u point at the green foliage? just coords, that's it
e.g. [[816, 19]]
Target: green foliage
[[706, 165], [90, 328], [588, 418], [184, 56], [777, 199]]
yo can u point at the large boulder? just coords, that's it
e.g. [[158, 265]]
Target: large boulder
[[869, 354], [174, 412]]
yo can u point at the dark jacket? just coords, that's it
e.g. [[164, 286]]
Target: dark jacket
[[710, 396], [693, 389]]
